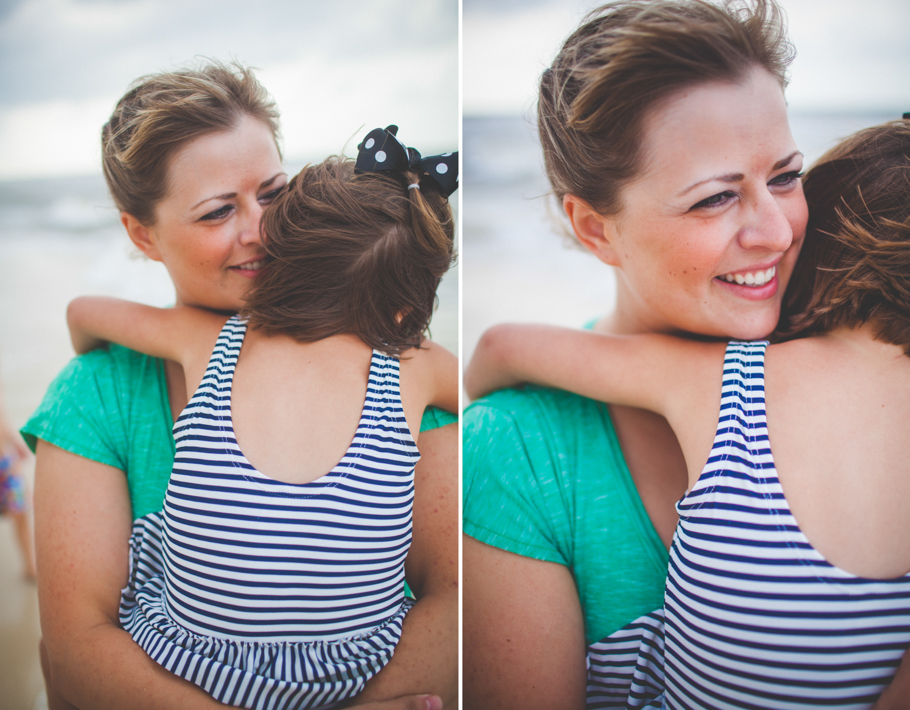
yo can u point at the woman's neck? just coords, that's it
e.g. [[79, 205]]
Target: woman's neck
[[626, 318]]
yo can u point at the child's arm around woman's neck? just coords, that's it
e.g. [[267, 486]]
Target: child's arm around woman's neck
[[674, 377], [184, 334]]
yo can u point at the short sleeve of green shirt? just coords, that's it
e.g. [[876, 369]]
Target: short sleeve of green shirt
[[111, 406], [544, 477], [433, 418]]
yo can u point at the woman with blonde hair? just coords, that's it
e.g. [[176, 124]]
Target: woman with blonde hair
[[191, 159], [789, 576], [666, 140]]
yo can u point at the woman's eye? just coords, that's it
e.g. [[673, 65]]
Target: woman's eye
[[268, 197], [786, 178], [218, 214], [715, 200]]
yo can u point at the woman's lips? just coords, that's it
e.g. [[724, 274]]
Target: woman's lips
[[249, 268], [754, 285]]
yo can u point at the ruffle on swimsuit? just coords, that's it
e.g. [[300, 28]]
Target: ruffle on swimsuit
[[283, 674]]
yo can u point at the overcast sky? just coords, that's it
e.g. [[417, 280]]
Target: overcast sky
[[340, 67], [337, 68], [852, 55]]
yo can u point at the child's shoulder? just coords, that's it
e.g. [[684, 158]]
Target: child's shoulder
[[428, 355]]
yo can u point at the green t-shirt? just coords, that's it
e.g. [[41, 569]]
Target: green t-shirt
[[544, 477], [111, 406]]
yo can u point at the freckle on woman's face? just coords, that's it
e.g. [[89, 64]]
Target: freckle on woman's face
[[709, 232], [206, 229]]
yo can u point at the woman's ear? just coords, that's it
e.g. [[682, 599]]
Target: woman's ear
[[596, 232], [141, 236]]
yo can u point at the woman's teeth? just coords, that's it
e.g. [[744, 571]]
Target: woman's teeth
[[251, 265], [752, 278]]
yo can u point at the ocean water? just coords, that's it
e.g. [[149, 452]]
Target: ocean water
[[518, 264]]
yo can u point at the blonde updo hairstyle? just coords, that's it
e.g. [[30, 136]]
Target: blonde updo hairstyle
[[626, 57], [163, 112]]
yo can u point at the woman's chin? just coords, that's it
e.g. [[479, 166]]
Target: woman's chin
[[743, 324], [755, 329]]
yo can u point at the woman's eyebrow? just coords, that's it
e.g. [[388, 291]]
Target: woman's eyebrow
[[272, 179], [732, 177], [225, 196], [736, 177], [229, 195], [786, 161]]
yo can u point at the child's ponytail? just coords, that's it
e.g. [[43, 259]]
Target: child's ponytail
[[356, 252]]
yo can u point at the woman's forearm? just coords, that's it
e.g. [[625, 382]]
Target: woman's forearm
[[82, 525], [103, 667], [426, 658], [896, 695]]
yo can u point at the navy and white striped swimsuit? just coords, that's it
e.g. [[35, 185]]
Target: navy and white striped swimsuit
[[269, 594], [755, 617]]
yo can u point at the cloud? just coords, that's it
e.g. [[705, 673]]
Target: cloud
[[59, 137], [332, 67], [324, 102], [505, 51], [852, 55]]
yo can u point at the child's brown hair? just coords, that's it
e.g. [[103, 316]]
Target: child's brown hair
[[854, 267], [357, 253]]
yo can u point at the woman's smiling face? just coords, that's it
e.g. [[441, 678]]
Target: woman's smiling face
[[206, 229], [708, 234]]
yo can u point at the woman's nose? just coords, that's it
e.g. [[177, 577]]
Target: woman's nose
[[249, 228], [769, 226]]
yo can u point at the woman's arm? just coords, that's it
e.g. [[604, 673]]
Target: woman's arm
[[426, 658], [523, 633], [82, 527]]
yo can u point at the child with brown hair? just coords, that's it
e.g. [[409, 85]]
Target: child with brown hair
[[789, 576], [274, 576]]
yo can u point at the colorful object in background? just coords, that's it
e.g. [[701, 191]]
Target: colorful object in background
[[12, 489]]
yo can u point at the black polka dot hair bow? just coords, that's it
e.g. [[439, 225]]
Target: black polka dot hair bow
[[382, 151]]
